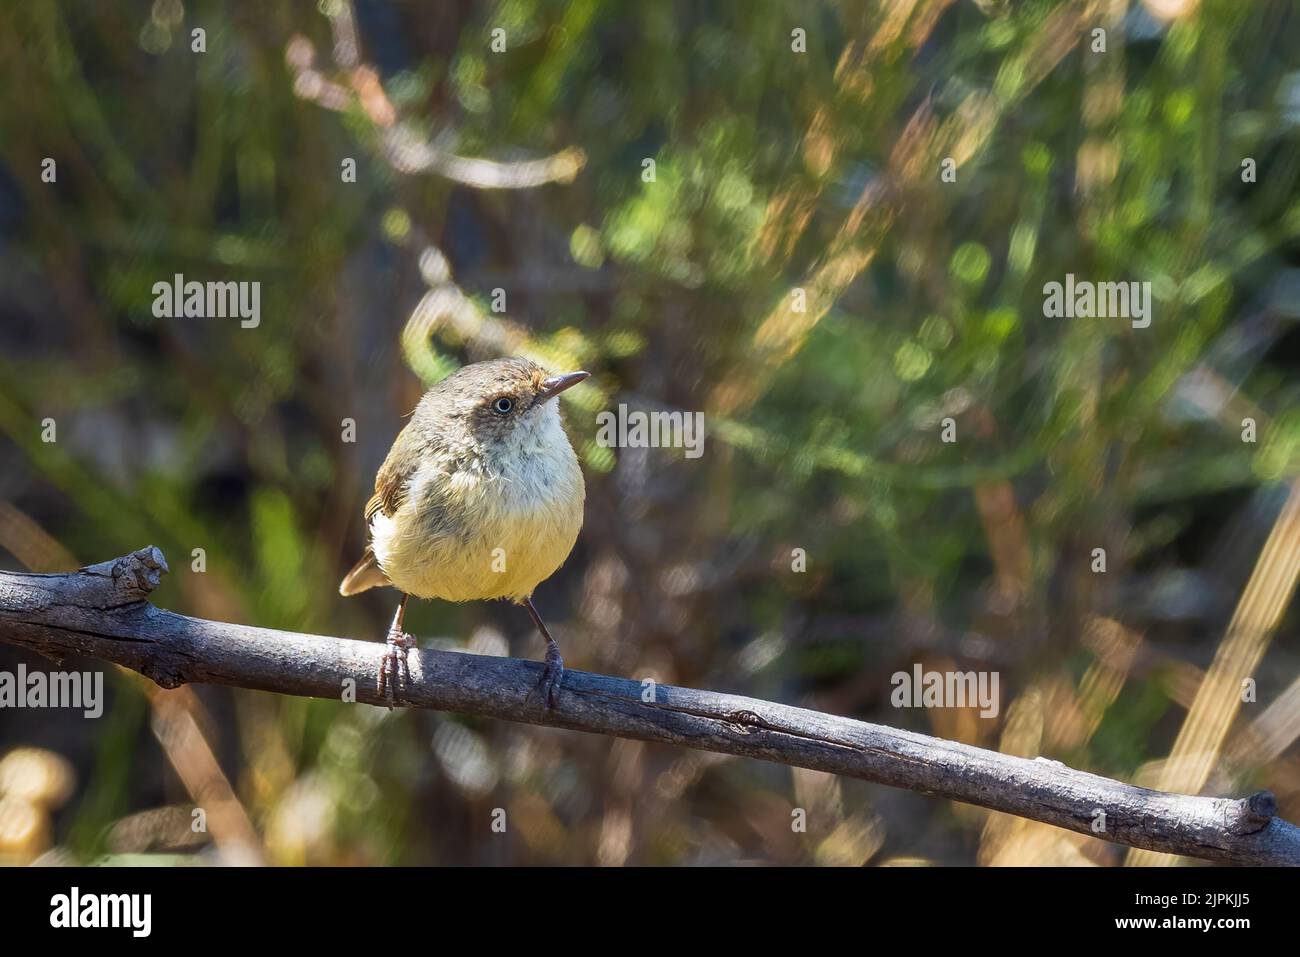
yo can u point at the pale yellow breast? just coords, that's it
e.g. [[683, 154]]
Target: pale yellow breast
[[514, 521]]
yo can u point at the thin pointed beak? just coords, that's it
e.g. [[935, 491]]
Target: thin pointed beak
[[558, 383]]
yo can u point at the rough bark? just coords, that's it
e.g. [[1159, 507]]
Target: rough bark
[[103, 612]]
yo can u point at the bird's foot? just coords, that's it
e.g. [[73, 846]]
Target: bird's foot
[[394, 673], [552, 677]]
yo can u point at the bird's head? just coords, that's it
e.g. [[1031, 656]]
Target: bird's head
[[504, 405]]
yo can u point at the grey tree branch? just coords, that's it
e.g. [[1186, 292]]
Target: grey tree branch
[[103, 612]]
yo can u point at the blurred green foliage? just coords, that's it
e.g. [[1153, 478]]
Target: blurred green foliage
[[777, 175]]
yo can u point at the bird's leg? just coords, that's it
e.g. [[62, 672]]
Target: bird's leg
[[553, 674], [393, 670]]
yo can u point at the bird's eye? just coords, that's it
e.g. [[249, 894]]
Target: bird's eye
[[503, 405]]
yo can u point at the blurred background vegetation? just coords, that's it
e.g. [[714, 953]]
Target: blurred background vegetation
[[781, 178]]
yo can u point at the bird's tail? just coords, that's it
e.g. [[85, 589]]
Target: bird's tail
[[365, 574]]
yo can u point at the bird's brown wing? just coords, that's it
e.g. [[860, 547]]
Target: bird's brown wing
[[390, 490], [391, 479]]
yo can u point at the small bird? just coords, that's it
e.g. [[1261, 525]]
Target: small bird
[[480, 497]]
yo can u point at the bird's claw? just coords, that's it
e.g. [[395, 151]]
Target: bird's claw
[[394, 672], [552, 678]]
